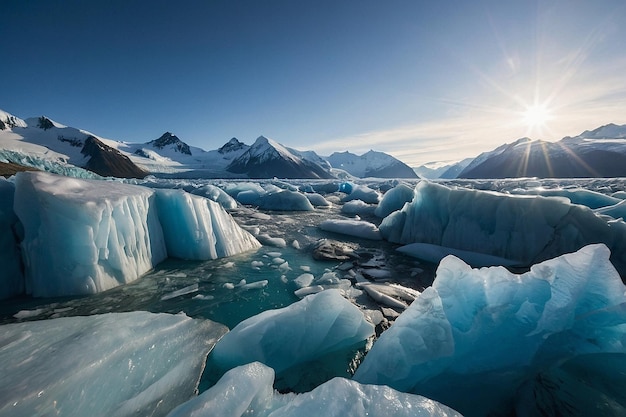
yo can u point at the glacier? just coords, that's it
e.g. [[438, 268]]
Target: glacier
[[318, 325], [524, 230], [118, 364], [475, 336], [248, 391], [87, 236]]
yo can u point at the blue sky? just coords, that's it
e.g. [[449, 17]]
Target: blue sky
[[421, 80]]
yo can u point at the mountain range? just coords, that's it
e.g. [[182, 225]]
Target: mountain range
[[594, 153], [169, 156]]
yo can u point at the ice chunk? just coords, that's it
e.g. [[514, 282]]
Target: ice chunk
[[315, 326], [363, 193], [216, 194], [11, 275], [284, 201], [394, 199], [124, 364], [472, 338], [358, 207], [85, 236], [248, 390], [304, 280], [522, 228], [199, 229], [357, 228], [317, 200], [589, 198]]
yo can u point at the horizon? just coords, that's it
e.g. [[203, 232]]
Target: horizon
[[422, 82]]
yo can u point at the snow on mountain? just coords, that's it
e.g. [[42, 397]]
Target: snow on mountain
[[454, 170], [170, 143], [610, 131], [597, 153], [371, 164], [41, 138], [445, 170], [8, 121], [233, 146], [267, 158]]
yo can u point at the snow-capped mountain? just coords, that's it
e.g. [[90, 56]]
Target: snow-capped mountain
[[41, 137], [597, 153], [267, 158], [168, 156], [170, 143], [371, 164]]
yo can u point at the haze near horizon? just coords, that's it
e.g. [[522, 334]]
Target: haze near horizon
[[421, 81]]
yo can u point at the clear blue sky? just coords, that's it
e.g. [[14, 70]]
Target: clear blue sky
[[422, 80]]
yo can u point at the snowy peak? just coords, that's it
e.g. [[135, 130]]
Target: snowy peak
[[170, 142], [371, 164], [8, 121], [233, 145], [597, 153], [267, 158], [610, 131]]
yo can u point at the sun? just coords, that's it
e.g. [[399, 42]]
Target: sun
[[536, 117]]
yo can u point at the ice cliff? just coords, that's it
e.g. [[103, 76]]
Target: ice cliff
[[523, 229], [86, 236]]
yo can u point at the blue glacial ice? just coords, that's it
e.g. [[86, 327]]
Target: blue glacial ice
[[87, 236], [589, 198], [248, 390], [313, 327], [473, 338], [360, 192], [394, 200], [199, 229], [118, 364], [522, 229], [11, 275]]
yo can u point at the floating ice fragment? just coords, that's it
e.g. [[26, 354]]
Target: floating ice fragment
[[286, 337], [355, 228], [186, 290]]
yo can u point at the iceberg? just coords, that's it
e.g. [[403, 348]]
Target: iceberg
[[394, 200], [473, 338], [117, 364], [216, 194], [85, 236], [315, 326], [199, 229], [526, 229], [360, 192], [284, 200], [356, 228], [247, 390]]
